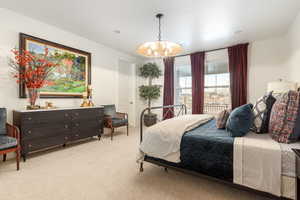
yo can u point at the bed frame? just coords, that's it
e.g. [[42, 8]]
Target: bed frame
[[182, 110]]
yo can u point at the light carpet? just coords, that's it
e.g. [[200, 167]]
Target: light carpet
[[105, 170]]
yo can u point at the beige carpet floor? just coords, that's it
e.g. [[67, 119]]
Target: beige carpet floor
[[104, 170]]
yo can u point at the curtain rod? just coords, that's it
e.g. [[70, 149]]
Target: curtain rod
[[200, 51]]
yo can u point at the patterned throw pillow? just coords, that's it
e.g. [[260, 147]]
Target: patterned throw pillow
[[262, 112], [284, 124], [221, 119]]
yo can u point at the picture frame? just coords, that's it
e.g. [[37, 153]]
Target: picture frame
[[71, 76]]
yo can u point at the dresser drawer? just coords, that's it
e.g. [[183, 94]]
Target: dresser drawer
[[45, 130], [87, 114], [86, 132], [41, 143], [45, 117]]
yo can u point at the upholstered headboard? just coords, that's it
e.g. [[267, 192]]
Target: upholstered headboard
[[281, 86]]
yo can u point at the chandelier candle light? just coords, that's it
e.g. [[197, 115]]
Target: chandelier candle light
[[159, 48]]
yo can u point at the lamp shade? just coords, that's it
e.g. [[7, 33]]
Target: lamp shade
[[159, 49]]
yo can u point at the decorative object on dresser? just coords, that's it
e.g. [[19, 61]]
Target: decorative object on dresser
[[9, 138], [32, 72], [90, 95], [114, 119], [87, 98], [42, 129], [70, 77]]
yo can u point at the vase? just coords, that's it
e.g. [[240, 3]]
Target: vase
[[33, 95]]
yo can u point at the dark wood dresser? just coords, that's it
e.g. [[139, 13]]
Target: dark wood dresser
[[42, 129]]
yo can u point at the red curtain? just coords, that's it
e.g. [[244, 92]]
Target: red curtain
[[168, 87], [198, 66], [238, 64]]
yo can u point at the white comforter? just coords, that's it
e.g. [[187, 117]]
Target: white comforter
[[163, 139]]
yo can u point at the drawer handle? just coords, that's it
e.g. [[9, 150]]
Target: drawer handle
[[29, 132], [66, 126], [30, 145], [77, 124], [76, 135], [66, 138], [77, 114], [29, 118], [66, 115]]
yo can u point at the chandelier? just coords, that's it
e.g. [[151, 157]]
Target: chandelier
[[159, 48]]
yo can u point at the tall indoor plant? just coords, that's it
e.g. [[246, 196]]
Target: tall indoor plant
[[32, 71], [150, 92]]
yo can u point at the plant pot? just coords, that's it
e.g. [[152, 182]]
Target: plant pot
[[150, 119]]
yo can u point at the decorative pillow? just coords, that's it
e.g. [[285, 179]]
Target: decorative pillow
[[240, 120], [262, 112], [221, 119], [284, 124]]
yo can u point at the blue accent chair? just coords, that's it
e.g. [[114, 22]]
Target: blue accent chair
[[114, 119], [9, 138]]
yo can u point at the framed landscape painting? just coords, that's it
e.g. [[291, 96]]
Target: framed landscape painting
[[71, 76]]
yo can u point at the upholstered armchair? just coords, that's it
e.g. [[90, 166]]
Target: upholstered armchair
[[114, 119], [9, 138]]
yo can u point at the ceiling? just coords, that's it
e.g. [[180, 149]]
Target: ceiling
[[196, 24]]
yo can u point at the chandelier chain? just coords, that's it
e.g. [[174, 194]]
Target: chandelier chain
[[159, 29], [159, 16]]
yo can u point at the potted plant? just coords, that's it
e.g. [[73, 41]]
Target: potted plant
[[150, 92], [32, 71]]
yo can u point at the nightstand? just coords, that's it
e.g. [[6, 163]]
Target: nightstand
[[297, 152]]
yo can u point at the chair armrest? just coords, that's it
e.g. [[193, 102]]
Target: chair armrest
[[122, 115], [107, 121], [13, 131]]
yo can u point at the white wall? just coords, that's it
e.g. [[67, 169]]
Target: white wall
[[104, 60], [266, 63], [293, 39]]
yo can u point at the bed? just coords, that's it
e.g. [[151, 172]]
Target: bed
[[211, 152]]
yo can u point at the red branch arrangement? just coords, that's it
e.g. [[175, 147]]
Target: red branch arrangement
[[31, 70]]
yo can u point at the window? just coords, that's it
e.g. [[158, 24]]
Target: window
[[217, 82], [183, 82]]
